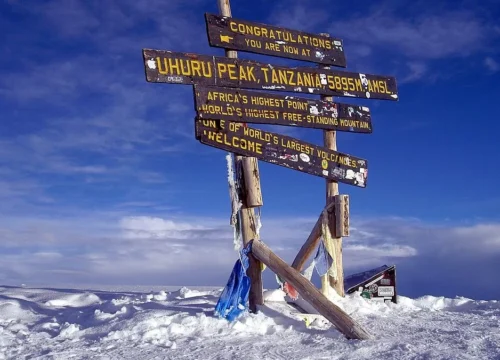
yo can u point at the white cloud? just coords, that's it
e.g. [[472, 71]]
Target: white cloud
[[491, 64], [126, 249], [146, 227], [455, 33], [96, 104], [291, 15], [417, 71]]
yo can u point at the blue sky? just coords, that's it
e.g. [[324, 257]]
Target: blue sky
[[102, 181]]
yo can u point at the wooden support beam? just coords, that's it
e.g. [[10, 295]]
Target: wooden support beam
[[248, 174], [334, 244], [342, 321], [312, 241]]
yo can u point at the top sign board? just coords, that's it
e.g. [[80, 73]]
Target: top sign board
[[230, 33], [187, 68]]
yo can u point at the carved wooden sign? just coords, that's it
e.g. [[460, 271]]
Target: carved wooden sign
[[230, 33], [282, 150], [163, 66], [257, 107]]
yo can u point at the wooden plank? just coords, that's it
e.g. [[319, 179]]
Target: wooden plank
[[171, 67], [309, 245], [283, 151], [256, 107], [342, 321], [242, 35], [342, 215]]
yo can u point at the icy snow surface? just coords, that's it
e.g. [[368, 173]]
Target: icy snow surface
[[48, 323]]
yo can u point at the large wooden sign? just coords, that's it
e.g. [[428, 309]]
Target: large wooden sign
[[282, 150], [263, 108], [231, 33], [187, 68]]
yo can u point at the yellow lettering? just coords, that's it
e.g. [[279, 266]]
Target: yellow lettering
[[183, 67], [221, 69], [232, 71], [308, 79], [358, 85], [345, 84], [338, 84], [350, 81], [196, 67], [273, 47], [251, 75], [291, 80], [280, 35], [292, 117], [282, 77], [235, 142], [290, 49], [297, 146], [370, 87], [254, 43], [265, 70], [383, 87], [209, 123], [296, 105], [274, 77]]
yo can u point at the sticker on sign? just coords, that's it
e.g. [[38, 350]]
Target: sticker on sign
[[385, 291]]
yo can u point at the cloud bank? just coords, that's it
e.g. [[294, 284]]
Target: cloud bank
[[153, 250]]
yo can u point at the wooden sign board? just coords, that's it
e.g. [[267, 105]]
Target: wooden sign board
[[187, 68], [230, 33], [282, 150], [248, 106]]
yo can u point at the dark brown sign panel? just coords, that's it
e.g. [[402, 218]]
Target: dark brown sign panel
[[282, 150], [231, 33], [248, 106], [187, 68]]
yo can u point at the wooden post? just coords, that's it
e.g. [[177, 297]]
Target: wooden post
[[310, 244], [251, 197], [335, 245], [342, 321]]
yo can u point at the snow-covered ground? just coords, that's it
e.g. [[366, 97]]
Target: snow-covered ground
[[43, 323]]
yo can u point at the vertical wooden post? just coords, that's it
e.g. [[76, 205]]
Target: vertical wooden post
[[248, 174], [335, 246]]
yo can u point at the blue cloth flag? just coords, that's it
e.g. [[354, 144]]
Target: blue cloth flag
[[323, 260], [233, 299]]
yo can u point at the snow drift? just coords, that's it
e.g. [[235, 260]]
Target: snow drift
[[43, 323]]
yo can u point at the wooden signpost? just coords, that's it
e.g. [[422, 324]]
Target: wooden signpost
[[173, 67], [231, 33], [218, 103], [226, 100], [333, 244], [283, 150]]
